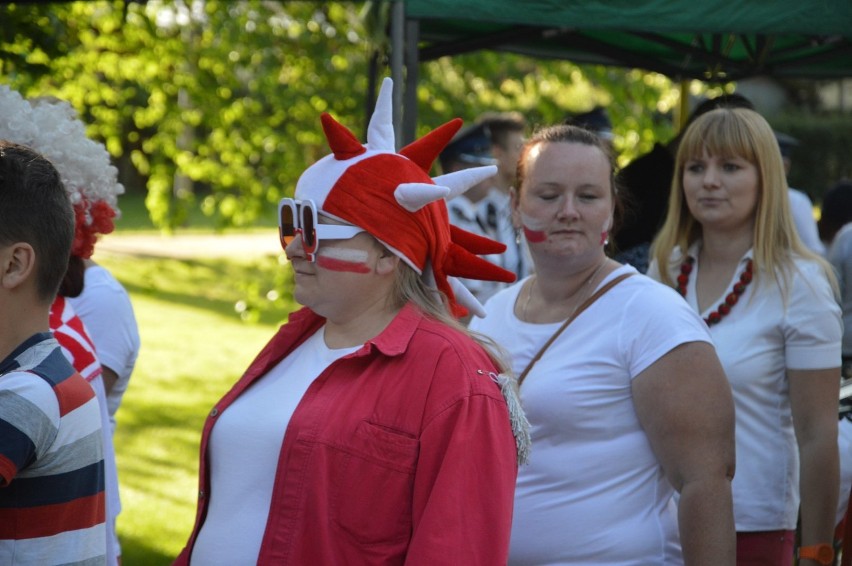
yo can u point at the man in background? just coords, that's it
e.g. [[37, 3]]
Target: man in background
[[507, 133], [471, 147], [595, 120]]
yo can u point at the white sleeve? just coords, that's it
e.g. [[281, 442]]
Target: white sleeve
[[840, 257], [660, 320], [812, 325], [105, 309]]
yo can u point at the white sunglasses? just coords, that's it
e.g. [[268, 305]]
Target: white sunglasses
[[300, 217]]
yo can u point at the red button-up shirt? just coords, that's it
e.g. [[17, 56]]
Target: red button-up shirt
[[400, 453]]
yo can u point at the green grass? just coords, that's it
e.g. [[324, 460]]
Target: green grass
[[134, 218], [195, 345]]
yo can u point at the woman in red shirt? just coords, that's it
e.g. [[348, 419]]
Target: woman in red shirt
[[373, 428]]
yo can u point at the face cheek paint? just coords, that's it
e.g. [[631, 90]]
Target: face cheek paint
[[533, 230], [534, 236], [343, 260]]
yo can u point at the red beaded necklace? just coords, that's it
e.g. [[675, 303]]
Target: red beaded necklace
[[732, 298]]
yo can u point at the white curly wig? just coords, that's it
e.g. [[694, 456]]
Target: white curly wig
[[52, 128]]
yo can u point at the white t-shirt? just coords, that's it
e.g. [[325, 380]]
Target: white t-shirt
[[593, 491], [844, 447], [105, 309], [244, 450], [840, 257], [757, 342]]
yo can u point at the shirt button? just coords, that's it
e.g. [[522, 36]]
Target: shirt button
[[214, 412]]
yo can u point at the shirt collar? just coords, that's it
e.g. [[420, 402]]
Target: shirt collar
[[11, 362], [695, 247], [394, 339]]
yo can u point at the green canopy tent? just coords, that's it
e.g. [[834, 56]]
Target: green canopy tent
[[708, 40]]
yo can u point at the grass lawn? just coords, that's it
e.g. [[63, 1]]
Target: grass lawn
[[201, 322], [134, 217]]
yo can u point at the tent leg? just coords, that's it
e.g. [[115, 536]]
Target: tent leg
[[683, 105], [372, 85], [412, 76], [397, 51]]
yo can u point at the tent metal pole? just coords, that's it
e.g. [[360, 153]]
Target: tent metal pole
[[683, 104], [372, 82], [412, 76], [397, 51]]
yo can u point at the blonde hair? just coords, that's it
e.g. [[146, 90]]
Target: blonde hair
[[409, 287], [743, 133]]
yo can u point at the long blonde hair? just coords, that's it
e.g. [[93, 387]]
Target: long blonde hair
[[743, 133], [409, 287]]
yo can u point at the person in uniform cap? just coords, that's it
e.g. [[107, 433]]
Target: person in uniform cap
[[595, 120], [507, 132], [786, 144], [471, 147]]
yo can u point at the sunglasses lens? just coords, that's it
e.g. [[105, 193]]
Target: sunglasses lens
[[309, 232], [287, 225]]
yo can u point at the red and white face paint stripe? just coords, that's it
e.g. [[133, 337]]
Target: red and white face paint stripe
[[345, 260], [533, 229]]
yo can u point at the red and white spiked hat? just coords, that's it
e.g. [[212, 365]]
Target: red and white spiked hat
[[392, 196]]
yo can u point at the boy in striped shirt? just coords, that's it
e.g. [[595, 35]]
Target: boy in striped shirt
[[51, 451]]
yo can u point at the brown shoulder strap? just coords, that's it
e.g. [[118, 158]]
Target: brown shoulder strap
[[586, 304]]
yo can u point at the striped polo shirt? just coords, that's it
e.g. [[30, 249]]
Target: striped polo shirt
[[51, 460]]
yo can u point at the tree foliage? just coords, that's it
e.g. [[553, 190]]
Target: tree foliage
[[215, 103]]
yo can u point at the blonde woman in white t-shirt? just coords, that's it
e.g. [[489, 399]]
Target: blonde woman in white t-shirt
[[730, 248]]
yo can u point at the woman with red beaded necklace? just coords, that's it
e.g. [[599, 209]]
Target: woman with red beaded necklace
[[770, 306]]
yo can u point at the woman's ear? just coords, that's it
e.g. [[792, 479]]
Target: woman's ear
[[514, 201], [387, 262], [17, 263]]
